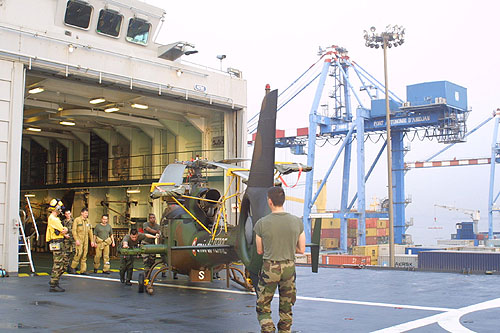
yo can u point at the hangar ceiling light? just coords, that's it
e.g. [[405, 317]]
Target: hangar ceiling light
[[111, 109], [36, 90], [139, 106], [97, 100], [67, 123]]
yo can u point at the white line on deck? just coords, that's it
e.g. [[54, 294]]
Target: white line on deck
[[450, 320], [304, 298]]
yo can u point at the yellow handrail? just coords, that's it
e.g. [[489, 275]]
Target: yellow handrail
[[194, 217]]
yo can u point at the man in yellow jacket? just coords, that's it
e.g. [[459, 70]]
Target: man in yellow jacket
[[82, 233], [55, 236]]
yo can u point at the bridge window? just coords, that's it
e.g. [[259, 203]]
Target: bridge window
[[109, 22], [138, 31], [78, 14]]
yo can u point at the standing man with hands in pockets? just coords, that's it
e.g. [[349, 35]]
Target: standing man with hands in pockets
[[82, 233], [278, 236], [103, 238]]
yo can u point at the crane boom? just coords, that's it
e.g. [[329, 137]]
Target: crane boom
[[474, 214]]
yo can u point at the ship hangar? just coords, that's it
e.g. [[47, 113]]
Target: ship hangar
[[92, 110]]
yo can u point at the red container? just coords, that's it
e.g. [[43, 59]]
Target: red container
[[381, 232], [338, 260], [330, 233], [371, 222], [280, 133], [480, 236], [304, 131], [371, 240], [352, 223]]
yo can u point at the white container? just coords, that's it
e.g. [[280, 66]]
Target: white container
[[456, 242], [383, 249], [493, 242], [400, 260]]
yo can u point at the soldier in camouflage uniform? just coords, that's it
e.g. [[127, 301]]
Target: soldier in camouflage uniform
[[278, 237], [55, 237], [69, 241]]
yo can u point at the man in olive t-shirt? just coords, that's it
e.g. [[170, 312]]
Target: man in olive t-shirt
[[127, 261], [103, 238], [278, 236], [150, 228]]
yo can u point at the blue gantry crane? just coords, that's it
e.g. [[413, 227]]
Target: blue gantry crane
[[431, 110]]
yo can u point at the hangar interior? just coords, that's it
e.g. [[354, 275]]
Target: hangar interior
[[104, 110]]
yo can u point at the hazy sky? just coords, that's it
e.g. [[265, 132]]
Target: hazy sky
[[274, 42]]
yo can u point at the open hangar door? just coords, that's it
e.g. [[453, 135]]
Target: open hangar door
[[101, 145]]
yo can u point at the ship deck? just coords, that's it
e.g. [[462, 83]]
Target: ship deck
[[335, 300]]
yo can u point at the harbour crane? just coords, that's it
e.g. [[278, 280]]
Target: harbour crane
[[473, 213]]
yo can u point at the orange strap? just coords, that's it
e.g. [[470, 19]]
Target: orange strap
[[298, 177]]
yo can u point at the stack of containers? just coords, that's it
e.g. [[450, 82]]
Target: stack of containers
[[352, 232], [377, 231], [371, 231], [382, 231], [330, 233]]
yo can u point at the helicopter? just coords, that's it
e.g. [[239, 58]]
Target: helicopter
[[197, 239]]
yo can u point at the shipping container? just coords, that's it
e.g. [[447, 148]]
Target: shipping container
[[371, 232], [341, 259], [493, 242], [382, 240], [382, 224], [417, 249], [330, 233], [301, 259], [383, 249], [352, 233], [455, 242], [327, 223], [367, 250], [381, 232], [308, 257], [329, 243], [352, 223], [371, 223], [371, 240], [400, 260], [459, 261], [480, 249]]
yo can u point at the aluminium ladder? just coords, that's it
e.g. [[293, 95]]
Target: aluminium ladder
[[24, 242]]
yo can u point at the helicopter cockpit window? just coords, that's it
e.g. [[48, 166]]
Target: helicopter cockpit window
[[78, 14], [109, 23], [138, 31]]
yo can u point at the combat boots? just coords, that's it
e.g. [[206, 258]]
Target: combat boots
[[56, 288]]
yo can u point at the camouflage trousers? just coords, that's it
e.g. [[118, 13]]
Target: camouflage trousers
[[274, 274], [57, 267], [69, 252]]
